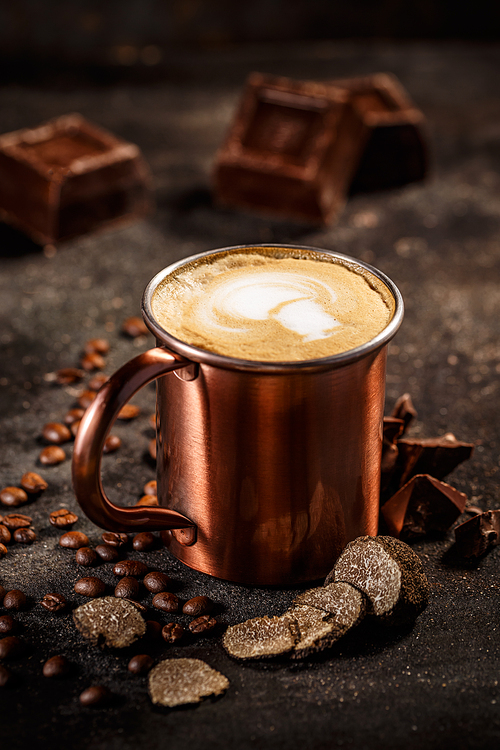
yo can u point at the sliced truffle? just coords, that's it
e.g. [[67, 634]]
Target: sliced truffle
[[116, 622], [389, 573], [261, 637], [436, 456], [176, 682], [340, 599], [478, 535]]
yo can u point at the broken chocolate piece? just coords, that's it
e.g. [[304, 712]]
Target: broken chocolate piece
[[423, 506], [392, 429], [435, 456], [389, 573], [261, 637], [478, 535], [176, 682], [116, 622], [404, 409]]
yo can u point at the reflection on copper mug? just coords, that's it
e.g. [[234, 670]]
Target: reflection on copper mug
[[265, 470]]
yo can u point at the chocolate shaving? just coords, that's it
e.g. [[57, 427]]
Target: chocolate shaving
[[116, 622], [478, 535], [177, 682]]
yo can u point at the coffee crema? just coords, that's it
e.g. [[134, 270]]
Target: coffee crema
[[268, 305]]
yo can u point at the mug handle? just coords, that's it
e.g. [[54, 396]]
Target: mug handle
[[89, 443]]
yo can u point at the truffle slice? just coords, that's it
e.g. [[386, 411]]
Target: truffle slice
[[424, 505], [116, 622], [478, 535], [389, 573], [435, 456], [261, 637], [176, 682], [340, 599]]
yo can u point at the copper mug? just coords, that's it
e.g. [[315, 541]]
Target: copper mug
[[265, 470]]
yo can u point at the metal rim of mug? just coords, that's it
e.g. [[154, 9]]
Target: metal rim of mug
[[203, 356]]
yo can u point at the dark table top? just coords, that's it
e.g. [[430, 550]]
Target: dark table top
[[433, 685]]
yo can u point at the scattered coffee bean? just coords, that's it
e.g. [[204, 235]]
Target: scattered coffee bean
[[144, 541], [166, 601], [74, 540], [56, 433], [73, 415], [69, 375], [5, 535], [13, 496], [148, 500], [56, 666], [111, 444], [107, 553], [63, 518], [33, 483], [52, 455], [202, 624], [15, 521], [86, 556], [129, 411], [156, 581], [101, 346], [140, 664], [24, 536], [7, 625], [199, 605], [152, 448], [5, 676], [150, 487], [3, 550], [90, 586], [93, 361], [117, 620], [176, 682], [97, 381], [153, 629], [134, 327], [96, 695], [74, 427], [86, 398], [127, 588], [152, 421], [15, 599], [10, 647], [114, 539], [53, 602], [172, 631], [130, 568]]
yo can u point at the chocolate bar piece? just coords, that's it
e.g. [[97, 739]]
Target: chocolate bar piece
[[393, 428], [478, 535], [291, 150], [68, 177], [395, 152], [404, 409], [436, 456]]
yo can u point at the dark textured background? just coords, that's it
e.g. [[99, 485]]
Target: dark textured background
[[434, 685]]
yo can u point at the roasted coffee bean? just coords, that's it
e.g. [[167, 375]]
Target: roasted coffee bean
[[144, 541], [5, 535], [129, 411], [96, 695], [15, 521], [134, 327], [52, 455], [166, 601], [15, 600], [172, 631], [152, 421], [33, 483], [13, 496], [86, 556], [5, 676], [56, 666], [8, 625], [199, 605], [202, 624], [69, 375], [97, 381], [140, 664], [148, 500], [114, 539], [56, 433], [86, 398], [101, 346], [63, 518], [3, 550], [107, 553], [90, 586], [74, 427], [53, 602], [74, 415], [130, 568], [153, 630], [152, 448], [11, 647], [74, 540], [156, 581], [127, 588], [93, 361], [111, 444], [150, 487], [24, 536]]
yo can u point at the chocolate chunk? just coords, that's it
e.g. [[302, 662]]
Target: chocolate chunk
[[423, 506], [261, 637], [176, 682], [117, 622], [435, 456], [393, 428], [404, 409], [478, 535], [389, 573]]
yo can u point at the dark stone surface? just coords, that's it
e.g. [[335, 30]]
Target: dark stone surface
[[434, 685]]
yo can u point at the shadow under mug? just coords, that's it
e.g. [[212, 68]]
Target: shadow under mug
[[265, 470]]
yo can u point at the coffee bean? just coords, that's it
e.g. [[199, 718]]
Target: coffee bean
[[129, 411], [3, 550], [111, 444], [130, 568], [15, 599], [152, 421], [86, 556], [11, 647], [69, 375], [63, 518], [56, 433], [134, 327], [24, 536], [152, 448], [107, 553], [101, 346], [53, 602], [52, 455], [90, 586], [144, 541], [97, 381], [33, 483], [127, 588], [140, 664], [74, 427], [199, 605], [5, 535], [202, 624], [96, 695], [153, 630], [15, 521], [93, 361], [150, 487], [56, 666], [8, 625], [5, 676], [166, 601], [172, 631], [73, 415], [74, 540], [156, 581], [148, 500], [13, 496], [114, 539], [86, 398]]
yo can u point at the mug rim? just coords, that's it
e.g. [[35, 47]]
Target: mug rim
[[204, 356]]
